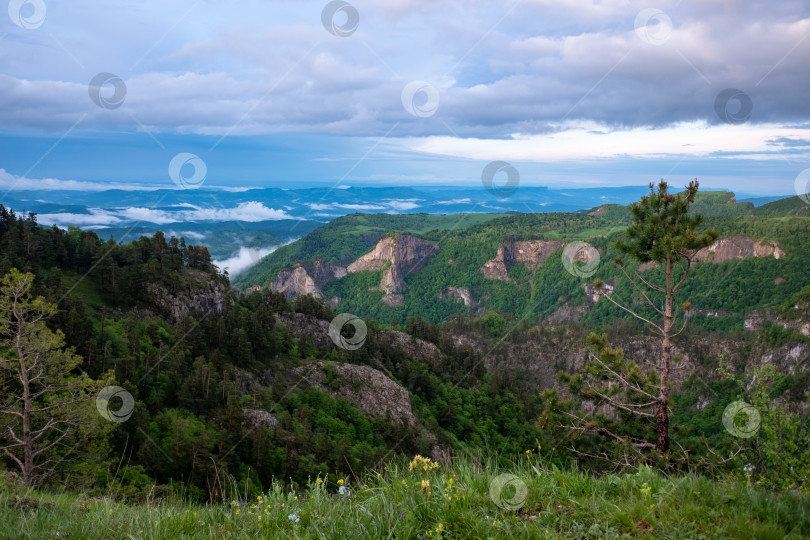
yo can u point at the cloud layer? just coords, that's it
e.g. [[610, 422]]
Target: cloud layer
[[497, 70], [541, 81]]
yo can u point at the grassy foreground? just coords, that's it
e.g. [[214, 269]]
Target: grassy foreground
[[422, 500]]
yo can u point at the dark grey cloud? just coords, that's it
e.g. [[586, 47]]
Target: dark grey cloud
[[258, 67]]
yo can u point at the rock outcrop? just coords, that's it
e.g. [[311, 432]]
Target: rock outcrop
[[532, 252], [306, 278], [566, 313], [593, 294], [206, 294], [730, 248], [368, 388], [461, 293], [757, 318], [410, 345], [401, 255], [376, 395], [393, 300], [253, 418], [299, 325]]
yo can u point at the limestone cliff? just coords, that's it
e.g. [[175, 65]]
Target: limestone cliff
[[532, 252], [401, 255], [729, 248], [368, 388], [204, 293], [306, 278], [460, 293], [374, 393]]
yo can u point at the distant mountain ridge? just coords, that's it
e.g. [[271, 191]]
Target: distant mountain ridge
[[513, 264]]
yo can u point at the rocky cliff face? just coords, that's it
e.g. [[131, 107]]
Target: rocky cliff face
[[592, 293], [410, 345], [300, 325], [371, 391], [730, 248], [300, 280], [403, 254], [461, 293], [207, 295], [755, 319], [543, 354], [532, 252]]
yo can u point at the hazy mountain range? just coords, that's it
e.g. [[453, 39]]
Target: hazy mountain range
[[240, 226]]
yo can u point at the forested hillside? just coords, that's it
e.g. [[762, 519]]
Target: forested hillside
[[212, 373], [730, 289], [229, 388]]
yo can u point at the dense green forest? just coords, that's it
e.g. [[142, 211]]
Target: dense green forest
[[733, 287], [191, 378], [199, 372]]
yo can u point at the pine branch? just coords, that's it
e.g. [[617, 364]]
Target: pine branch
[[631, 312]]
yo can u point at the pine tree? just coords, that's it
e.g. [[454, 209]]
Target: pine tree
[[665, 233], [42, 405]]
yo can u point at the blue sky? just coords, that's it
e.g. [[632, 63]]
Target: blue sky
[[571, 92]]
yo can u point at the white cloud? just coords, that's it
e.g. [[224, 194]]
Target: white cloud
[[403, 204], [587, 141], [456, 201], [10, 181], [96, 216], [247, 211], [243, 260], [251, 211]]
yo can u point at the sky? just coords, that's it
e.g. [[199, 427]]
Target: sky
[[287, 93]]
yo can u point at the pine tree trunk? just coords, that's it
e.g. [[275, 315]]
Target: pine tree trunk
[[28, 443], [662, 415]]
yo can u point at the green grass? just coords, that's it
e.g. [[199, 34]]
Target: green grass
[[458, 503]]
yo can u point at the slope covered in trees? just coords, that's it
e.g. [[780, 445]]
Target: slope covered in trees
[[216, 375], [733, 288]]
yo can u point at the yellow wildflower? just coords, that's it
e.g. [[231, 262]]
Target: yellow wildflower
[[237, 512], [422, 463], [340, 481], [425, 485], [319, 480]]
